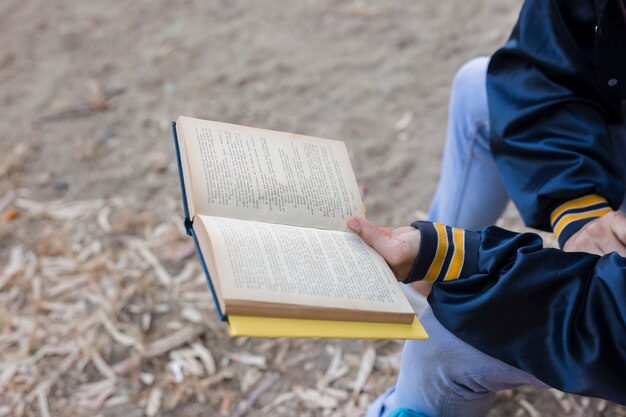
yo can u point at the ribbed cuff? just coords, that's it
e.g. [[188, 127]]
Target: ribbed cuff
[[571, 216], [445, 253]]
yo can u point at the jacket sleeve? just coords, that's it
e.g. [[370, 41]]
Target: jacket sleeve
[[548, 119], [560, 316]]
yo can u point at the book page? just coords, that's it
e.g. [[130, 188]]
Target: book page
[[268, 176], [301, 266]]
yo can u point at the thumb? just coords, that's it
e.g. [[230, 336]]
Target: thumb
[[372, 234]]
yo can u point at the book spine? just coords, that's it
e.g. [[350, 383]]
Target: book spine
[[188, 224], [208, 277]]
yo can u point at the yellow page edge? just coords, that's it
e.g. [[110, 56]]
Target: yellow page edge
[[283, 327]]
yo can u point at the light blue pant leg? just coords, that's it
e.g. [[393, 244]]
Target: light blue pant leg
[[446, 377], [470, 193]]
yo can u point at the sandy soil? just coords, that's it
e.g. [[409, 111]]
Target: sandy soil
[[89, 191]]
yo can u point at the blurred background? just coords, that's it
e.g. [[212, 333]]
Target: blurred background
[[103, 307]]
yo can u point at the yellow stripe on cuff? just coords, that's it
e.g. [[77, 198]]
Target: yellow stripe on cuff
[[588, 200], [440, 254], [567, 219], [456, 264]]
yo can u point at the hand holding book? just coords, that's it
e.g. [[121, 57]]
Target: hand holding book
[[398, 246]]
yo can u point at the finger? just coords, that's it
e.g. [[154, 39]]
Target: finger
[[595, 249], [373, 235], [615, 246], [618, 233], [611, 244], [583, 244], [618, 226], [354, 224], [601, 238]]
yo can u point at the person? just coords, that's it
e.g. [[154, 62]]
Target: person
[[540, 122]]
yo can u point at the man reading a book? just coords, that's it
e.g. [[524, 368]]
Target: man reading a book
[[540, 122]]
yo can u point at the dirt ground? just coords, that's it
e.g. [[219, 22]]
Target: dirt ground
[[103, 308]]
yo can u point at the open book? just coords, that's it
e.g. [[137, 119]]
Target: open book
[[267, 212]]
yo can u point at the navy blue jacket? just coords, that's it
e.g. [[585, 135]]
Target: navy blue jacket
[[552, 90], [560, 316]]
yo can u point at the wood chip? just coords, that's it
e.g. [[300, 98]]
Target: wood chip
[[225, 405], [117, 401], [117, 335], [339, 394], [192, 315], [532, 411], [365, 369], [60, 210], [404, 121], [186, 274], [16, 264], [42, 402], [187, 361], [153, 404], [147, 378], [226, 373], [97, 99], [7, 375], [163, 276], [248, 359], [102, 366], [314, 399], [176, 368], [250, 377], [165, 344], [336, 369], [103, 219], [254, 395], [562, 400], [281, 354], [10, 214], [205, 357], [102, 397], [58, 372]]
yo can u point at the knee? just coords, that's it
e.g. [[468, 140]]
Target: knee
[[426, 377], [440, 360], [427, 363], [469, 89], [471, 75]]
